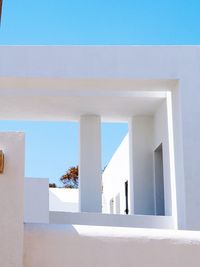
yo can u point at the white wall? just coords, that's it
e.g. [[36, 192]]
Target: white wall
[[161, 136], [76, 246], [180, 189], [63, 199], [135, 164], [119, 65], [114, 177], [36, 200], [39, 199], [90, 183], [12, 200], [88, 218], [141, 180], [146, 134]]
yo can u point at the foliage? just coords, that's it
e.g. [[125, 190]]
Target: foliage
[[52, 185], [70, 178]]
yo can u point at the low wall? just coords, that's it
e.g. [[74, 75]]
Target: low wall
[[84, 246], [63, 199], [36, 200], [84, 218]]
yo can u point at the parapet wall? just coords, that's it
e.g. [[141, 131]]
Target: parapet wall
[[83, 246], [115, 220]]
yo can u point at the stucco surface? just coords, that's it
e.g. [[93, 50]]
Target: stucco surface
[[83, 246], [114, 176], [39, 76], [88, 218], [11, 200], [90, 172], [63, 199], [36, 200]]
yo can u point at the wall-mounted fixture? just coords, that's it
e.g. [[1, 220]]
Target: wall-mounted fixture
[[1, 161]]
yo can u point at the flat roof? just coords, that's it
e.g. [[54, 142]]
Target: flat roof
[[64, 82]]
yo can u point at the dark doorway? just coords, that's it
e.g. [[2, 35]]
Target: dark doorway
[[159, 181], [126, 197]]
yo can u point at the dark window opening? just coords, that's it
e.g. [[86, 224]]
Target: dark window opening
[[126, 198], [159, 181]]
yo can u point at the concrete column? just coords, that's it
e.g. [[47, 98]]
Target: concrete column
[[11, 200], [141, 165], [90, 173]]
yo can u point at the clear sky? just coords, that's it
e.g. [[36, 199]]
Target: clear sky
[[100, 22], [52, 147]]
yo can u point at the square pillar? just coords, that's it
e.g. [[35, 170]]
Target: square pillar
[[90, 172], [141, 165]]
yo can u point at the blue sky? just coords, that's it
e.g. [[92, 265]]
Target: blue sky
[[52, 147], [100, 22]]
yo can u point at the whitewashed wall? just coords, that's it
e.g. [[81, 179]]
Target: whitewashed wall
[[12, 200], [99, 219], [83, 246], [141, 131], [63, 199], [36, 200], [39, 199], [161, 136], [148, 133], [114, 177], [128, 63], [141, 196]]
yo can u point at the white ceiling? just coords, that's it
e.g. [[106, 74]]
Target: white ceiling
[[59, 99]]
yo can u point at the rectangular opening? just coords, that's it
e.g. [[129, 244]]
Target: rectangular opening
[[159, 181], [126, 197]]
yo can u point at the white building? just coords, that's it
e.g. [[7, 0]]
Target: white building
[[140, 180], [153, 88]]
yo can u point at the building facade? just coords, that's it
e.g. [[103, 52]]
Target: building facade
[[153, 88]]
